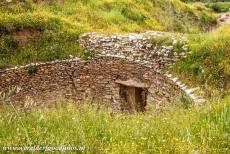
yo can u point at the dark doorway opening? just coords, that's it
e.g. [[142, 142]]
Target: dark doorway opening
[[133, 96]]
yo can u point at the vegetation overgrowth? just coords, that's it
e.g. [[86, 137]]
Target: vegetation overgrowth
[[206, 1], [173, 130], [44, 31], [208, 64], [219, 6], [60, 23], [216, 5]]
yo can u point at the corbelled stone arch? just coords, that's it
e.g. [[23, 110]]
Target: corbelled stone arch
[[112, 72], [96, 78], [153, 48]]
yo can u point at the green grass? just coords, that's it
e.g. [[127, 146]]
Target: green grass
[[61, 23], [219, 6], [208, 65], [173, 130]]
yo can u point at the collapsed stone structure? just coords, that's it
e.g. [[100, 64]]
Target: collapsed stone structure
[[158, 49], [153, 49], [125, 73]]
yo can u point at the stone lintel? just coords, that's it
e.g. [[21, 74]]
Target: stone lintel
[[133, 83]]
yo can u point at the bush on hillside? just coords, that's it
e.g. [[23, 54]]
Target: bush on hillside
[[208, 63], [219, 7]]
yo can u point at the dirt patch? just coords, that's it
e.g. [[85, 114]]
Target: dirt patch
[[48, 1], [16, 2], [224, 19], [25, 35]]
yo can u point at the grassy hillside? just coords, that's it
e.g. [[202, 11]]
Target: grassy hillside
[[44, 31], [209, 64], [32, 31], [176, 130], [219, 6]]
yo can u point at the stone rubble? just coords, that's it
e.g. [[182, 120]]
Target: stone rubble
[[142, 48], [134, 56]]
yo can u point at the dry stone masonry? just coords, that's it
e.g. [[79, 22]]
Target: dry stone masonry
[[159, 49], [151, 48], [94, 80], [123, 67]]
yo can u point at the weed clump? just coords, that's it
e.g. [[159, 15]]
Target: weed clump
[[208, 62], [177, 130], [32, 69]]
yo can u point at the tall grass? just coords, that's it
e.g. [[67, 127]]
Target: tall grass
[[208, 64], [219, 6], [61, 23], [203, 130]]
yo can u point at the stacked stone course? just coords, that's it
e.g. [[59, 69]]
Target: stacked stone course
[[116, 57], [93, 80], [143, 48], [139, 47]]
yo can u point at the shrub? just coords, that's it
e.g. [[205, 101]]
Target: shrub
[[8, 44], [219, 6], [32, 69], [186, 101], [208, 62], [2, 65], [162, 40]]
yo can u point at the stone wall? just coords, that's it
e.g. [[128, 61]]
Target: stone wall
[[93, 80], [158, 49], [153, 49], [138, 57]]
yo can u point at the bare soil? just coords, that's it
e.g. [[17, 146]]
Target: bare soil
[[48, 1], [24, 35], [223, 19]]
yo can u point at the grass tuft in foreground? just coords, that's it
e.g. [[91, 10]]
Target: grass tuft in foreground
[[177, 130]]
